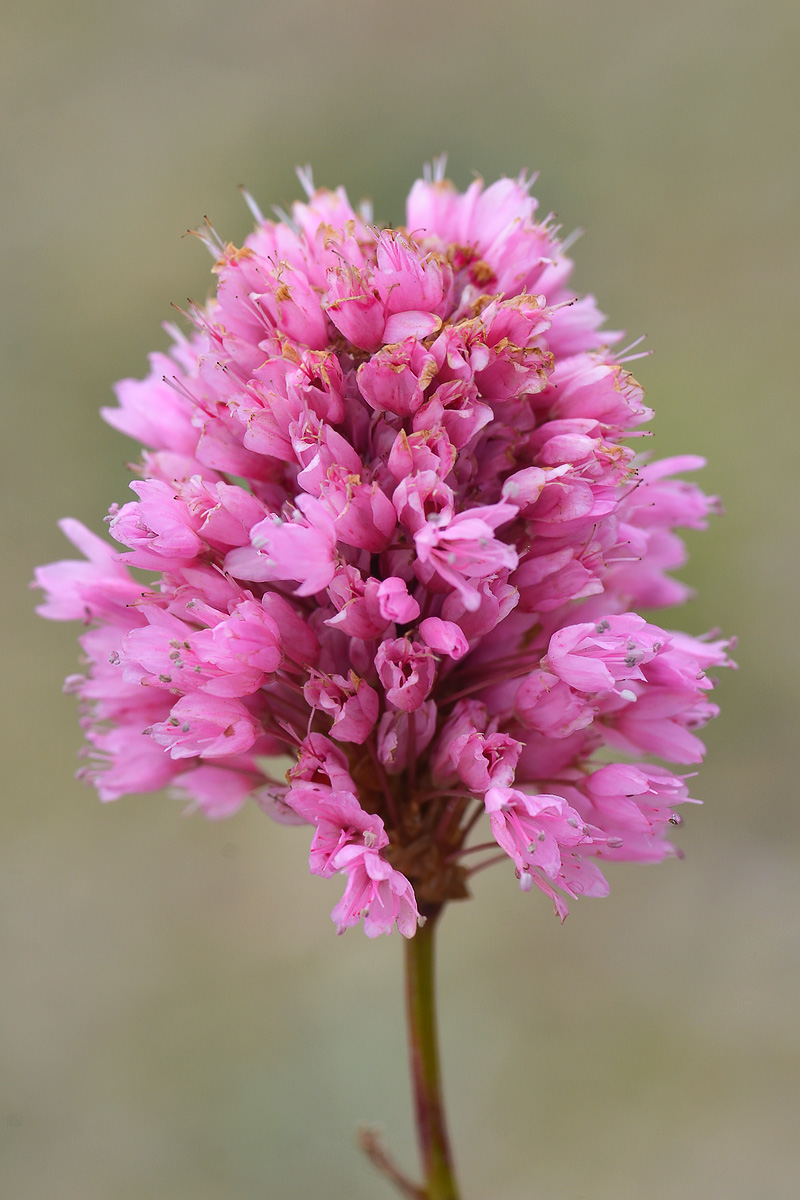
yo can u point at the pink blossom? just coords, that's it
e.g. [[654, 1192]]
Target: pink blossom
[[470, 747], [640, 796], [217, 791], [160, 529], [302, 548], [394, 380], [354, 308], [100, 587], [545, 703], [340, 821], [364, 515], [376, 892], [234, 658], [444, 637], [539, 834], [394, 602], [351, 702], [153, 412], [124, 761], [406, 670], [209, 726], [392, 527], [427, 449], [597, 657], [464, 548], [360, 608], [422, 499], [321, 761], [453, 408]]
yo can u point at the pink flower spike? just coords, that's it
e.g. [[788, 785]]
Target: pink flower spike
[[392, 527]]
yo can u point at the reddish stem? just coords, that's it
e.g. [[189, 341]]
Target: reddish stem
[[425, 1072]]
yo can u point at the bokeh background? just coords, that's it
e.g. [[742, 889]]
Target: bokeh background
[[180, 1021]]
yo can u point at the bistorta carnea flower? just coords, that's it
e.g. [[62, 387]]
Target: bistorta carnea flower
[[394, 529]]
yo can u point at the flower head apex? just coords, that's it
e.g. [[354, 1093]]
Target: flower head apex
[[392, 527]]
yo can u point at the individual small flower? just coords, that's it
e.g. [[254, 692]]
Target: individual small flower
[[406, 670], [374, 891], [98, 587], [351, 702], [388, 523], [217, 791], [394, 379], [464, 548], [321, 761], [540, 835], [340, 821], [550, 706], [206, 726], [471, 748], [598, 657], [444, 637], [301, 548], [394, 601]]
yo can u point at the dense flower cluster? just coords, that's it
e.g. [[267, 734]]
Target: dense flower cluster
[[397, 535]]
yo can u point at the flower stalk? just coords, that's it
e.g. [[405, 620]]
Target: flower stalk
[[426, 1080]]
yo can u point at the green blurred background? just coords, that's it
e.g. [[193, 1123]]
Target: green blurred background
[[180, 1021]]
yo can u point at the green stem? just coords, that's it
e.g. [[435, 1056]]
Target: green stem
[[440, 1182]]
